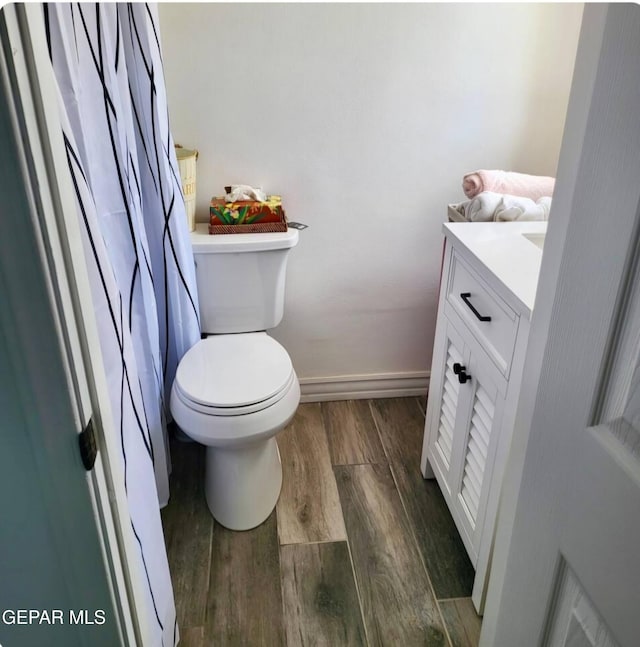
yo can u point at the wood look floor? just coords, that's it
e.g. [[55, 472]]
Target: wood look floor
[[361, 550]]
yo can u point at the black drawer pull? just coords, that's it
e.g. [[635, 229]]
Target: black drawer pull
[[465, 297], [461, 372]]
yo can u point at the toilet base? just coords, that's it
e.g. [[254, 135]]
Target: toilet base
[[242, 484]]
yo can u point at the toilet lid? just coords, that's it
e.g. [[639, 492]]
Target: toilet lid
[[234, 370]]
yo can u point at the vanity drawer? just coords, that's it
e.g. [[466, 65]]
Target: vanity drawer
[[487, 316]]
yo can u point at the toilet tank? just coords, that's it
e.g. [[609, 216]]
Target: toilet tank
[[241, 279]]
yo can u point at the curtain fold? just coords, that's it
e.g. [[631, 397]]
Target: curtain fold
[[107, 62], [175, 291]]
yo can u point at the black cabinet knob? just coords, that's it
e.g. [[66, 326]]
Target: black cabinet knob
[[460, 371]]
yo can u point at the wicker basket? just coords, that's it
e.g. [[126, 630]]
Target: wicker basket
[[187, 165], [455, 213], [254, 228]]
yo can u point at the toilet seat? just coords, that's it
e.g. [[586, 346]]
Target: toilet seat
[[209, 410], [232, 375]]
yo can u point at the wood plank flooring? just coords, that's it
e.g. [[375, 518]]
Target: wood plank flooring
[[352, 434], [189, 551], [192, 637], [319, 594], [462, 622], [308, 509], [397, 602], [401, 427], [244, 597], [360, 550]]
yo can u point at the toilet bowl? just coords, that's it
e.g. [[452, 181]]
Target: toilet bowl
[[233, 393]]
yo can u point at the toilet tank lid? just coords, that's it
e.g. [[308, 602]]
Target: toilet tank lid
[[205, 243]]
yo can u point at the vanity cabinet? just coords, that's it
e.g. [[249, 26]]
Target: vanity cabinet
[[480, 342]]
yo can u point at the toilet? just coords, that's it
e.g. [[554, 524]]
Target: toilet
[[236, 389]]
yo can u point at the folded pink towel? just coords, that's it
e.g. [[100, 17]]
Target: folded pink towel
[[520, 184]]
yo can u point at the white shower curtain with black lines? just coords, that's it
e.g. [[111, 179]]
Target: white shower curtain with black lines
[[108, 66]]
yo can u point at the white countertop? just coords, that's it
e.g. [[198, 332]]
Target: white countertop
[[505, 252]]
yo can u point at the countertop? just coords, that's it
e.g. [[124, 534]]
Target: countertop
[[505, 252]]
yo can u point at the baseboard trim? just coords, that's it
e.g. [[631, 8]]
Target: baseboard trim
[[357, 387]]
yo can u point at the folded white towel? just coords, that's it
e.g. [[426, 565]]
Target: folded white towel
[[482, 207], [488, 206], [515, 208]]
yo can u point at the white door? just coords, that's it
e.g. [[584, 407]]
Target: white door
[[567, 570]]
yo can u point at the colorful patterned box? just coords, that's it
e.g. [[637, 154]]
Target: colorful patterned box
[[246, 216]]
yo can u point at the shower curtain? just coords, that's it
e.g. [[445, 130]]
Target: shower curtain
[[108, 66]]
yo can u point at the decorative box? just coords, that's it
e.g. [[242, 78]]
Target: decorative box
[[246, 216]]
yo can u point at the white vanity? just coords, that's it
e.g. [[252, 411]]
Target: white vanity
[[489, 279]]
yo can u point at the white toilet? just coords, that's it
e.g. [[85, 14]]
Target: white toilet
[[236, 389]]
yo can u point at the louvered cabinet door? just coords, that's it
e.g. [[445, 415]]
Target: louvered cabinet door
[[445, 423], [475, 453], [449, 402]]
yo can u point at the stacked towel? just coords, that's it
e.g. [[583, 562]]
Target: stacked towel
[[515, 184], [482, 207], [489, 205], [516, 208]]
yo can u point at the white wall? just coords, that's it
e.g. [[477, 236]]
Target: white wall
[[365, 117]]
